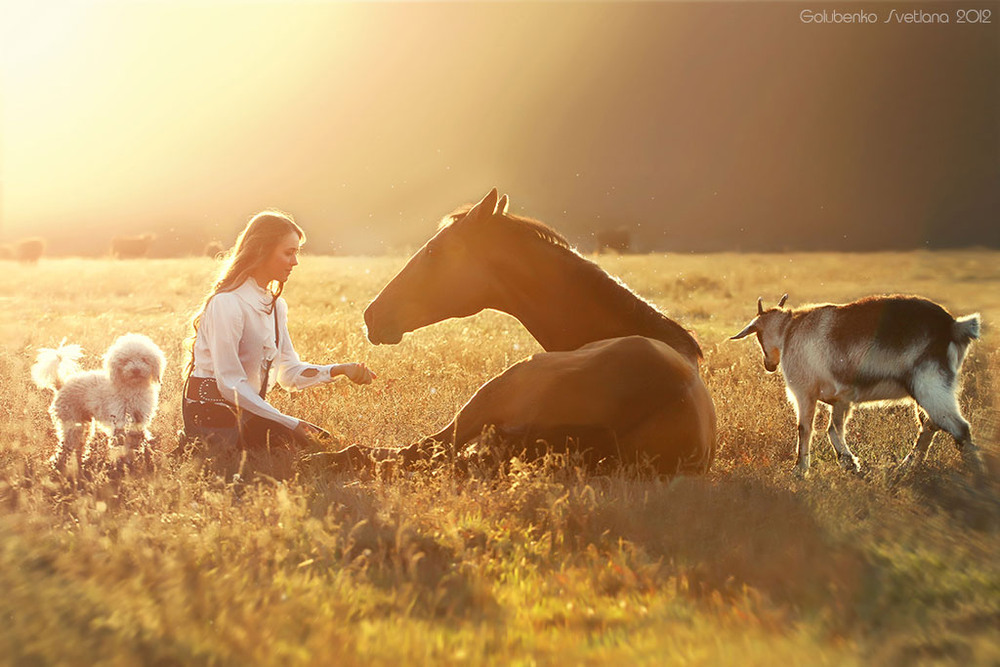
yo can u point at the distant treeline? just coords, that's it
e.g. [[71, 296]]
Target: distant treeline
[[620, 235]]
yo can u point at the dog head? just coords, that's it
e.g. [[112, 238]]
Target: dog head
[[134, 359]]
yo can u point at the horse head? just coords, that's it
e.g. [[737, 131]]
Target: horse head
[[446, 278]]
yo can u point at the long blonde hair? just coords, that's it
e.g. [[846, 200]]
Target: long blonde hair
[[254, 245]]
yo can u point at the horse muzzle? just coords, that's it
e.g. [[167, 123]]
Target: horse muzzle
[[377, 337], [378, 332]]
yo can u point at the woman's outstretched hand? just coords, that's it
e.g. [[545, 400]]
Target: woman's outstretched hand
[[358, 373]]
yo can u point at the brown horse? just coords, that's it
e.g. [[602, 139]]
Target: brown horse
[[630, 399], [483, 257], [617, 373]]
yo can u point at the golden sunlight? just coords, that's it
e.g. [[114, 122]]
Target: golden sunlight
[[36, 36], [700, 125]]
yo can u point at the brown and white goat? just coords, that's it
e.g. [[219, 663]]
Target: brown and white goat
[[879, 348]]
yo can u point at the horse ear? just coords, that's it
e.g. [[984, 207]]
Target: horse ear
[[487, 203], [783, 300], [760, 306], [502, 205]]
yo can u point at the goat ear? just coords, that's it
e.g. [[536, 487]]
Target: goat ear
[[502, 205], [782, 301], [749, 329], [760, 306]]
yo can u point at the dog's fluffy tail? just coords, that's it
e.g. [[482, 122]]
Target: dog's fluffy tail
[[53, 366]]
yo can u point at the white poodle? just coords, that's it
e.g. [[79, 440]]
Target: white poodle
[[121, 399]]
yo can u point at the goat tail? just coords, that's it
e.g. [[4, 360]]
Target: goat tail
[[53, 366], [965, 329], [963, 332]]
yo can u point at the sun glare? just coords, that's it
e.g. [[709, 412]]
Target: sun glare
[[34, 36]]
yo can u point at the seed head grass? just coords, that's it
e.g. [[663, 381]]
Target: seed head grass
[[221, 557]]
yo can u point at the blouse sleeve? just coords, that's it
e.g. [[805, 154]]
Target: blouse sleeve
[[222, 325], [288, 367]]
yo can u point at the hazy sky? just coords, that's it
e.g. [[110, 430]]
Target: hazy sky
[[699, 125]]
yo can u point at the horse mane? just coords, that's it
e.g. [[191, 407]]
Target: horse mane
[[650, 321], [536, 227]]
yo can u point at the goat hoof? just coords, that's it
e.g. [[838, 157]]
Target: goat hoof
[[901, 470], [800, 471], [849, 463], [973, 459]]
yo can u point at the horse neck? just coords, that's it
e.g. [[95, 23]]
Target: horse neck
[[555, 295]]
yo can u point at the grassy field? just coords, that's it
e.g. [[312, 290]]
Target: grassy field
[[531, 564]]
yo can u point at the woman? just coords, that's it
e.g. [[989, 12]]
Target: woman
[[241, 345]]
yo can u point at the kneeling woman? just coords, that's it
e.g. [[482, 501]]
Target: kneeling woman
[[241, 345]]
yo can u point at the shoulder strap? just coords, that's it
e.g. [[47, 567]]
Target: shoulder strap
[[277, 344], [277, 337]]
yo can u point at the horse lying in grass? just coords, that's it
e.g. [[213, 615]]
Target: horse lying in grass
[[617, 374]]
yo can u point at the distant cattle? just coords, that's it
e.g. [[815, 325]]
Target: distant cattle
[[213, 249], [130, 247], [616, 240], [29, 251]]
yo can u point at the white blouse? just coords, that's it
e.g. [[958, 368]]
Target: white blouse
[[236, 338]]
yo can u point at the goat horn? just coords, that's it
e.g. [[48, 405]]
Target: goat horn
[[760, 306], [749, 329], [783, 300]]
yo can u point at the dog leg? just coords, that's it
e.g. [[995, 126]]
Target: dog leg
[[87, 455], [135, 443], [118, 443], [74, 439]]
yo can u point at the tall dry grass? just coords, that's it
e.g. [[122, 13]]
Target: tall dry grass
[[536, 563]]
